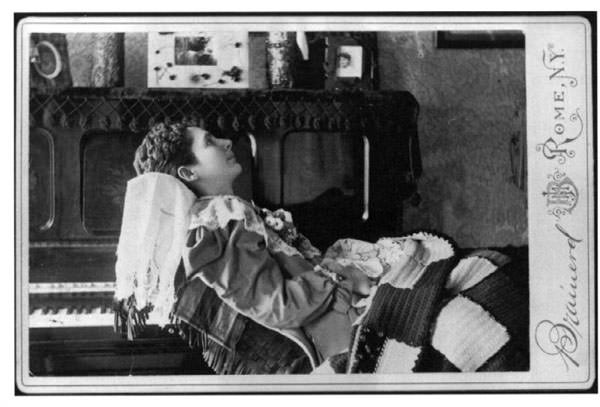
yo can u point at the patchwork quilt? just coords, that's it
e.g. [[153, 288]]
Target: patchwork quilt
[[455, 313]]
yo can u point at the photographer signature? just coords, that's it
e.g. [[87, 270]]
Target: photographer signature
[[562, 338]]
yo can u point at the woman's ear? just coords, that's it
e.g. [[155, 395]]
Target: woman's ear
[[186, 174]]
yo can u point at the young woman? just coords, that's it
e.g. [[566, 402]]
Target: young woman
[[257, 297]]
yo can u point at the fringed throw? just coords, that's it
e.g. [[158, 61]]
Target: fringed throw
[[129, 320], [230, 342]]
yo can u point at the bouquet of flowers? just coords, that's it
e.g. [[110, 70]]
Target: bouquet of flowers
[[282, 223]]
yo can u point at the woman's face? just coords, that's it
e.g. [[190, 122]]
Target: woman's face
[[215, 162], [345, 62]]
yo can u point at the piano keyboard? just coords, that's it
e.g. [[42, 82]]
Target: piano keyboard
[[70, 288], [56, 305], [64, 317]]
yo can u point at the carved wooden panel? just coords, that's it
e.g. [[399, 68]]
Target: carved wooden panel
[[315, 162], [99, 351], [107, 165], [243, 185], [64, 264], [310, 172], [41, 181]]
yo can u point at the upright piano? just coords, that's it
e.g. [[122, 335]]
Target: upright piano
[[308, 151]]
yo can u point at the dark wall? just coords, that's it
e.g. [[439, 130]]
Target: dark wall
[[472, 105]]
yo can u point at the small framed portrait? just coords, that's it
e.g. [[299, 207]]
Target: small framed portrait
[[480, 39], [349, 62], [198, 60], [194, 51]]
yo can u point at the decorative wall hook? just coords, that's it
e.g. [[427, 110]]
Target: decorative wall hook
[[46, 60]]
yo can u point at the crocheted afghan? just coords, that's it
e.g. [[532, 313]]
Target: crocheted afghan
[[461, 315]]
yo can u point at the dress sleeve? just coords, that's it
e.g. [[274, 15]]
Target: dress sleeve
[[236, 263]]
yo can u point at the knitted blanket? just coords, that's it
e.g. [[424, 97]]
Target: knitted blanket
[[461, 315]]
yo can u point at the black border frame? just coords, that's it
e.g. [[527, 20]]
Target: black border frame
[[479, 39]]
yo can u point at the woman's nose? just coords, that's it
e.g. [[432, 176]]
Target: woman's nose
[[226, 143]]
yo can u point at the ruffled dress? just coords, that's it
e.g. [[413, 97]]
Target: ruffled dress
[[261, 267]]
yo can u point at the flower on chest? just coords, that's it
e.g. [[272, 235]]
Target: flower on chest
[[281, 222]]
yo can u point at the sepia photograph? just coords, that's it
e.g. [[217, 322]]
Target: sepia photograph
[[192, 59], [193, 51], [349, 62], [359, 214]]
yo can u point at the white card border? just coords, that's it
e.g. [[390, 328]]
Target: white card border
[[424, 382]]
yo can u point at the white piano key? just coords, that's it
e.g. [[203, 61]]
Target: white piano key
[[74, 320], [75, 317], [96, 311], [61, 314], [71, 287]]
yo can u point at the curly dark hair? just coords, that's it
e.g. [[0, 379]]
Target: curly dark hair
[[165, 148]]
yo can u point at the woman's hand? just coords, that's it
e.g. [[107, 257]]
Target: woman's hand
[[361, 283]]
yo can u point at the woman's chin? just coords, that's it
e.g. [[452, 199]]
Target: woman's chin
[[236, 169]]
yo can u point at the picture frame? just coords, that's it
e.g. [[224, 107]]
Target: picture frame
[[349, 61], [456, 39], [198, 60]]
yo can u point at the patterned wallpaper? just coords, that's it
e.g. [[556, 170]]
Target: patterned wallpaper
[[472, 104], [96, 59]]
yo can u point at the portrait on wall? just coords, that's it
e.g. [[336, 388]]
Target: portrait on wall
[[198, 60], [489, 39], [349, 62], [194, 51]]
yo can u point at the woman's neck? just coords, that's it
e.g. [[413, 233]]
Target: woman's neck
[[204, 189]]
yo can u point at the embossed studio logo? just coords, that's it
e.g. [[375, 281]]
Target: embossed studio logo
[[555, 61], [563, 338], [566, 123], [561, 194], [551, 148], [557, 339]]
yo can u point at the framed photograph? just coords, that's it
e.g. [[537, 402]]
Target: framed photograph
[[481, 39], [349, 62], [198, 60]]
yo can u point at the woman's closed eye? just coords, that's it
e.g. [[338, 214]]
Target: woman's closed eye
[[211, 140]]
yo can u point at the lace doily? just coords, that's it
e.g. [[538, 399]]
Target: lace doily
[[423, 247]]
